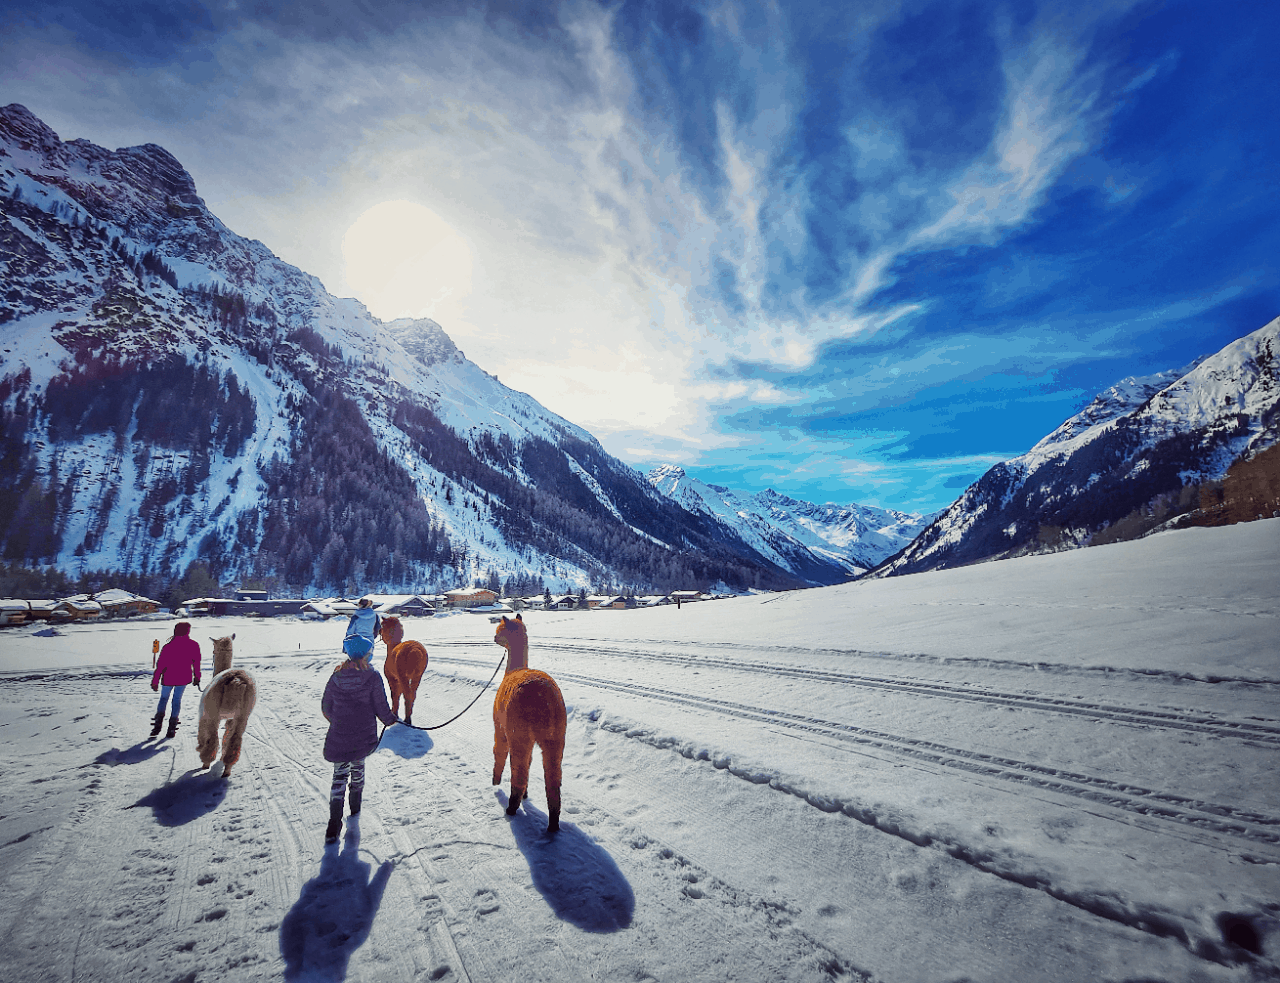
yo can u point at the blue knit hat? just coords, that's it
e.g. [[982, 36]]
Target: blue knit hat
[[357, 646]]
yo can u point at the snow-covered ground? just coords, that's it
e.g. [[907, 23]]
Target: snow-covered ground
[[1054, 768]]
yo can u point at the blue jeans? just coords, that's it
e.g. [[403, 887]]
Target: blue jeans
[[164, 698]]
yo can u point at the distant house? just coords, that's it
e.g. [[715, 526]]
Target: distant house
[[42, 610], [117, 603], [619, 603], [679, 597], [110, 603], [401, 605], [330, 607], [79, 608], [14, 611], [566, 602], [470, 597], [251, 595]]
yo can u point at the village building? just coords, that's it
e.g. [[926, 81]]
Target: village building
[[470, 597], [402, 605], [42, 610], [110, 603], [79, 608], [678, 597], [14, 611]]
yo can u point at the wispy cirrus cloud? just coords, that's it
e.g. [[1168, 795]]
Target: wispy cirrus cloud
[[732, 231]]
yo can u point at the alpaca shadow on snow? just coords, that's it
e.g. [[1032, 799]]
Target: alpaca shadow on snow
[[140, 752], [189, 797], [406, 742], [575, 874], [333, 916]]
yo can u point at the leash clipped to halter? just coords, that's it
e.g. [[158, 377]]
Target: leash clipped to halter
[[459, 713]]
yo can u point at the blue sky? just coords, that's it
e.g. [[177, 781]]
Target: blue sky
[[853, 252]]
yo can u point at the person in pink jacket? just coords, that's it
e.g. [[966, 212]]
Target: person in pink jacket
[[176, 668]]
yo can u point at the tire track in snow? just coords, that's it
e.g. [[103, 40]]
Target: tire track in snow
[[1126, 796], [1199, 723]]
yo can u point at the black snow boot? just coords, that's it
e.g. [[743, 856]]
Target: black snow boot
[[173, 727], [156, 721], [356, 795], [335, 822]]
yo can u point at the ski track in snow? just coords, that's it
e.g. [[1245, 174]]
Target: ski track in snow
[[1146, 802]]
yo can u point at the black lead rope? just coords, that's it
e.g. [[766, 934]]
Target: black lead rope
[[456, 715]]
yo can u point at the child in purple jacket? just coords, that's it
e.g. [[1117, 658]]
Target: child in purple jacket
[[354, 701]]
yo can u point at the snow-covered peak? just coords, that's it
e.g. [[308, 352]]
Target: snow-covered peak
[[1124, 397], [818, 542], [666, 478]]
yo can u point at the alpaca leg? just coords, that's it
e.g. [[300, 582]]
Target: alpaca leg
[[231, 742], [410, 697], [521, 757], [207, 736], [552, 755], [500, 749], [395, 694]]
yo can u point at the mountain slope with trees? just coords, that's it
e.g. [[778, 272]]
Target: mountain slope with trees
[[175, 396]]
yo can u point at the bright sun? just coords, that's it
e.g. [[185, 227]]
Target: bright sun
[[404, 260]]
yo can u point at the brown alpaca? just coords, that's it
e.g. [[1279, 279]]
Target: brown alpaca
[[406, 662], [231, 696], [528, 710]]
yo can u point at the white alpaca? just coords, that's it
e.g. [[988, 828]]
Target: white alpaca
[[231, 696]]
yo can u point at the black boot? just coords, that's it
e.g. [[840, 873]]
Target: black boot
[[155, 724], [173, 727], [335, 822], [356, 796]]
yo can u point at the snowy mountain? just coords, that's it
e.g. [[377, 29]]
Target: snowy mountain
[[173, 393], [1146, 453], [824, 544]]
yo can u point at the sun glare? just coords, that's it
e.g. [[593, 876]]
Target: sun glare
[[404, 260]]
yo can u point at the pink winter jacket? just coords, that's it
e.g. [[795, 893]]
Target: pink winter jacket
[[179, 662]]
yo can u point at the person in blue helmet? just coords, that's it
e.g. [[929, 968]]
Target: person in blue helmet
[[362, 630]]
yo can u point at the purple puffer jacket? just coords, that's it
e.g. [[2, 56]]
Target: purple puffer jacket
[[179, 662], [354, 701]]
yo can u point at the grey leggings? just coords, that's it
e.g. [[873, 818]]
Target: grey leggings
[[344, 771]]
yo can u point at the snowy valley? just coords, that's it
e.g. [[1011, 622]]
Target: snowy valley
[[1052, 768]]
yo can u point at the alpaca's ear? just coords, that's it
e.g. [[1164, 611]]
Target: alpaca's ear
[[504, 619], [233, 636], [520, 618], [212, 639]]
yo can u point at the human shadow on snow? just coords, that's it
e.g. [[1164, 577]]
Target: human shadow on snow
[[140, 752], [406, 742], [333, 916], [189, 797], [575, 874]]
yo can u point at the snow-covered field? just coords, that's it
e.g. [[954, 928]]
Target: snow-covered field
[[1054, 768]]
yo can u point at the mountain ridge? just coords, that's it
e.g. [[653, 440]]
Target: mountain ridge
[[1141, 455]]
